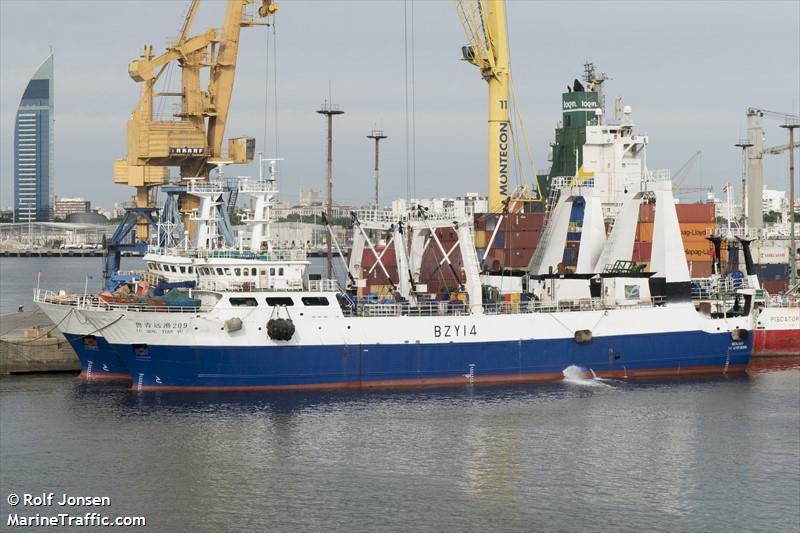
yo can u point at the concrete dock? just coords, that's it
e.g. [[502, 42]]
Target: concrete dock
[[30, 343]]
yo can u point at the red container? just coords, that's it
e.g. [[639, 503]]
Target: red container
[[642, 251], [686, 212], [526, 221], [695, 213], [775, 286], [522, 239], [388, 259], [647, 213], [447, 235], [520, 258]]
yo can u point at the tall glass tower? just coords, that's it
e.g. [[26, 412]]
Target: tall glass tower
[[33, 149]]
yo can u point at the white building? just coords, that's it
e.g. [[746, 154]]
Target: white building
[[774, 201]]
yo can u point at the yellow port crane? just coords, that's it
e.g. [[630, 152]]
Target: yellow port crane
[[192, 137], [484, 24]]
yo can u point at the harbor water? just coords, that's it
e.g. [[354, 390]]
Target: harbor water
[[704, 455], [710, 455]]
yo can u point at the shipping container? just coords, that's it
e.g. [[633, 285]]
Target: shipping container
[[772, 272], [775, 286], [519, 258], [527, 221], [696, 230], [499, 240], [368, 259], [644, 232], [698, 250], [480, 239], [687, 213], [772, 254], [647, 213], [701, 269], [522, 239], [695, 213], [642, 251], [570, 256]]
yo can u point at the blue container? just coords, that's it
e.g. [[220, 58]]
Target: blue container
[[773, 272], [570, 256]]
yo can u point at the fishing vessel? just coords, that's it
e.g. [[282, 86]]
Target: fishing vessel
[[607, 316], [255, 320], [170, 270]]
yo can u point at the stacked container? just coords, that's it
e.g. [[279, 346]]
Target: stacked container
[[697, 221]]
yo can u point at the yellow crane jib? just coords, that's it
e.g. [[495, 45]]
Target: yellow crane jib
[[484, 24], [194, 141]]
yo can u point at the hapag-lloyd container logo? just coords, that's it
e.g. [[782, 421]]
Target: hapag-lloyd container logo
[[583, 104]]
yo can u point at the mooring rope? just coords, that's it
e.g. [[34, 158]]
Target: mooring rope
[[43, 335]]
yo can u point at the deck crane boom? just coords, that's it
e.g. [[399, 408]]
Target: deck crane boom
[[193, 142], [484, 24], [683, 172]]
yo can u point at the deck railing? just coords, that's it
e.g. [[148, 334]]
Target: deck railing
[[291, 254], [493, 308], [92, 302]]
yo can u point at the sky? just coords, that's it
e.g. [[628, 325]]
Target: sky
[[689, 70]]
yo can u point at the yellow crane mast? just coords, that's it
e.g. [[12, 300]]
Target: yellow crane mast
[[192, 137], [484, 23]]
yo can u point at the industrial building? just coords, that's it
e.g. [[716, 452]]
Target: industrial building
[[67, 206]]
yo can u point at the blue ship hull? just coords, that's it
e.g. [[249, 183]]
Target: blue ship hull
[[99, 360], [387, 365]]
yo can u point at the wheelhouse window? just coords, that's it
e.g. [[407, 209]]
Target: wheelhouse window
[[280, 271], [272, 271], [219, 271], [315, 300], [183, 270], [279, 300], [237, 271], [244, 302], [253, 271]]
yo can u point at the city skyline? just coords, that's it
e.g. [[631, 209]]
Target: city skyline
[[684, 77]]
